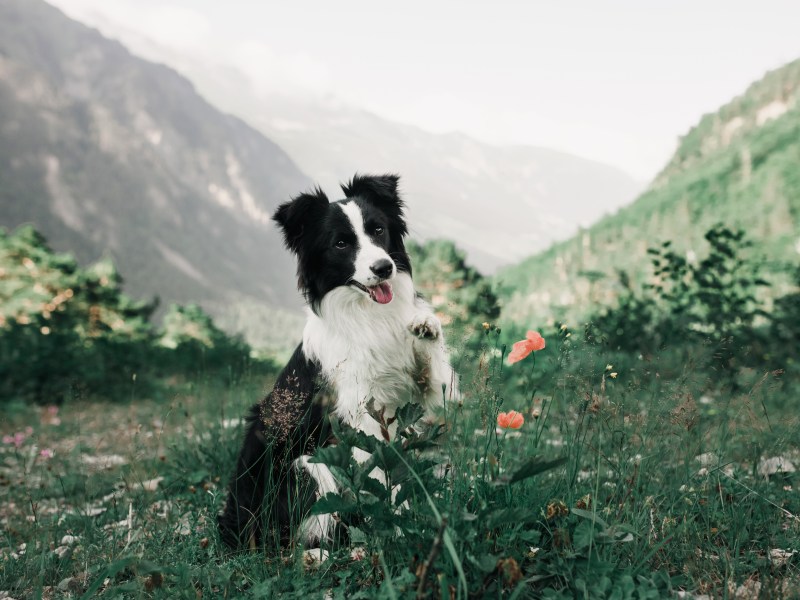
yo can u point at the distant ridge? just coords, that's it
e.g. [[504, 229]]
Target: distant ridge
[[498, 202]]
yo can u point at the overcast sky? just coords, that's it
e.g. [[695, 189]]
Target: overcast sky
[[614, 81]]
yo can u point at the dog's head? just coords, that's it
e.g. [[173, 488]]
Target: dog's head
[[355, 243]]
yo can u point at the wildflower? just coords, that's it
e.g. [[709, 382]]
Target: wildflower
[[46, 453], [613, 375], [358, 553], [510, 420], [533, 341], [486, 325], [17, 439], [609, 367], [511, 571], [556, 508]]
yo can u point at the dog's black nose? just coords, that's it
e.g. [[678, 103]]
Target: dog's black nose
[[382, 268]]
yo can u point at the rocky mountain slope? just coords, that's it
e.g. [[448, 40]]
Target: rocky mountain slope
[[110, 155]]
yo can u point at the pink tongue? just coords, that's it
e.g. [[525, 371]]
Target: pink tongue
[[382, 294]]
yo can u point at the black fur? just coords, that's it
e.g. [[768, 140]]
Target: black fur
[[312, 227], [285, 425], [290, 421]]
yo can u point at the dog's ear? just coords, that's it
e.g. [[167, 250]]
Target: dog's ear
[[382, 191], [296, 215]]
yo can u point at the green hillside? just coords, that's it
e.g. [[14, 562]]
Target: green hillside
[[739, 166]]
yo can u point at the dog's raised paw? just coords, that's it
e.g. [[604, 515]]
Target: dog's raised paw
[[425, 327]]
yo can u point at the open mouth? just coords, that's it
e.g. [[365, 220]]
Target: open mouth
[[381, 293]]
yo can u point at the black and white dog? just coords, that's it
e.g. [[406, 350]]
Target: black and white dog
[[370, 346]]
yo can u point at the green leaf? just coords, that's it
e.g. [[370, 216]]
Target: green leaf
[[583, 535], [338, 455], [587, 514], [332, 502], [408, 415], [376, 488], [406, 492], [356, 535], [485, 562], [531, 468]]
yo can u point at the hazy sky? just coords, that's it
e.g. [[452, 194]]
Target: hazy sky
[[614, 81]]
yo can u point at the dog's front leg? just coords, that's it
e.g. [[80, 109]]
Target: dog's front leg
[[435, 375], [283, 427]]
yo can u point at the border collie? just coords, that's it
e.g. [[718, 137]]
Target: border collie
[[370, 346]]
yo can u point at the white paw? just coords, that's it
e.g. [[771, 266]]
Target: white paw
[[425, 326], [314, 557]]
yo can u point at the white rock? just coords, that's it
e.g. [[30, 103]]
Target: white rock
[[93, 511], [151, 485], [779, 557], [707, 459], [775, 464], [104, 461]]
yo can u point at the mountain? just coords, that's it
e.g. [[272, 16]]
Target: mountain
[[739, 166], [499, 203], [112, 156]]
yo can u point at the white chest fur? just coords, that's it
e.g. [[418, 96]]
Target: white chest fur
[[367, 352]]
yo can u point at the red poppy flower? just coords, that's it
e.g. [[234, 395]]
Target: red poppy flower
[[510, 420], [533, 341]]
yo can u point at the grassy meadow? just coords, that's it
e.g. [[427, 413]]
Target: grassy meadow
[[632, 477], [656, 458]]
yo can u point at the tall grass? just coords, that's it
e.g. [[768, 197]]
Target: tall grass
[[632, 477]]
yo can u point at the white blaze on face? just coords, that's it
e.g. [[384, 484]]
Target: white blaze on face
[[368, 253]]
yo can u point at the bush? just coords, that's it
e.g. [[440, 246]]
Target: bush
[[713, 302], [785, 328], [68, 331]]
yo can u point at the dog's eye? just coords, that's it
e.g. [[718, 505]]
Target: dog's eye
[[378, 230], [341, 245]]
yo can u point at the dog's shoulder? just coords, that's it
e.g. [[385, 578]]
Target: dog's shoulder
[[301, 371]]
